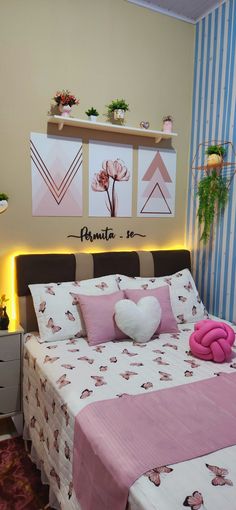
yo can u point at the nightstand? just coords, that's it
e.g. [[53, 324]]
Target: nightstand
[[11, 342]]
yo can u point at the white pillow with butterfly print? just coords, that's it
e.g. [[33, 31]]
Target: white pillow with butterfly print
[[185, 301], [56, 309]]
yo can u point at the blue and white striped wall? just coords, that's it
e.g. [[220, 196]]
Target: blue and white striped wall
[[214, 118]]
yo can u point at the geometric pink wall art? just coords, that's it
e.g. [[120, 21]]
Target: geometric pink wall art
[[156, 182], [56, 165]]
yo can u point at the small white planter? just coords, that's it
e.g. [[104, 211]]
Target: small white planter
[[93, 118], [3, 205]]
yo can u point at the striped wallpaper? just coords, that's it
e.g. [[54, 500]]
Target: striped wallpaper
[[214, 119]]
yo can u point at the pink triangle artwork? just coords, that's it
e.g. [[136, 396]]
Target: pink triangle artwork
[[56, 166], [156, 182]]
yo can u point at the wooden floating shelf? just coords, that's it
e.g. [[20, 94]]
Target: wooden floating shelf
[[112, 128]]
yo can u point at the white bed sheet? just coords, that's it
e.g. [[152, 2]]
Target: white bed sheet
[[60, 378]]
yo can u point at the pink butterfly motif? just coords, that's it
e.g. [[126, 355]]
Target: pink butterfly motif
[[144, 286], [194, 310], [181, 318], [113, 359], [178, 275], [170, 345], [168, 281], [53, 406], [52, 326], [136, 364], [37, 397], [86, 393], [103, 368], [73, 350], [126, 375], [85, 358], [49, 290], [152, 280], [160, 361], [42, 306], [68, 367], [57, 478], [70, 315], [233, 365], [102, 286], [45, 414], [72, 341], [99, 348], [67, 451], [43, 384], [75, 298], [120, 395], [55, 443], [79, 334], [147, 385], [195, 501], [125, 351], [52, 346], [188, 373], [70, 490], [99, 380], [220, 475], [192, 363], [154, 474], [182, 299], [165, 376], [48, 359], [157, 351], [62, 381], [175, 336], [188, 287], [65, 412]]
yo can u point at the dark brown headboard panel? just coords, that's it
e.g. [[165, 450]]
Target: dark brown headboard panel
[[48, 268]]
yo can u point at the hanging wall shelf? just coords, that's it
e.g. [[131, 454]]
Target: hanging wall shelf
[[112, 128]]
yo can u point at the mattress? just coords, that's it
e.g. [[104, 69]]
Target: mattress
[[60, 378]]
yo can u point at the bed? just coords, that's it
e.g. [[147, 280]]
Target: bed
[[61, 377]]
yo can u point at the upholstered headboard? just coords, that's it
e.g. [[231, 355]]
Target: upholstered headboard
[[47, 268]]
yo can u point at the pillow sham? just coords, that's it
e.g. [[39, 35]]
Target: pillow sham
[[168, 323], [185, 301], [139, 321], [55, 306], [98, 314]]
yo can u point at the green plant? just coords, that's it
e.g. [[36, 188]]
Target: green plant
[[3, 196], [213, 196], [92, 111], [216, 149], [118, 104], [167, 118]]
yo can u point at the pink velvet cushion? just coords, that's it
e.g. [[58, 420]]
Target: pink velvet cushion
[[98, 314], [212, 340], [168, 323]]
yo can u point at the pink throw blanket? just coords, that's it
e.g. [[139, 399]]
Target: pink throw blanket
[[118, 440]]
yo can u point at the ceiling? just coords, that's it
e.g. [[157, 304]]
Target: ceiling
[[188, 10]]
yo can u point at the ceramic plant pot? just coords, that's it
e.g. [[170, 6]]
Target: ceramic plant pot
[[119, 115], [93, 118], [214, 160], [167, 126], [64, 110], [3, 205]]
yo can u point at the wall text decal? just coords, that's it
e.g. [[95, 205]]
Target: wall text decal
[[105, 234]]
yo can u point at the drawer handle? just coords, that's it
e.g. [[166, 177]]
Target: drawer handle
[[2, 386], [1, 360]]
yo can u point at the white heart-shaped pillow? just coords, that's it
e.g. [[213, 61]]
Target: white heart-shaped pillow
[[138, 321]]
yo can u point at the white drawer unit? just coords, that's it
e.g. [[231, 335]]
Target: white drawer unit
[[10, 372]]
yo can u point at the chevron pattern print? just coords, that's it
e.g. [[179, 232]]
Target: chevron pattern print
[[214, 120], [56, 165]]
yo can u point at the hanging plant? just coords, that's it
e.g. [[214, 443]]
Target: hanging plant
[[213, 196]]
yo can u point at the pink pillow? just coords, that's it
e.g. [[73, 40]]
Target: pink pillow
[[98, 314], [168, 323]]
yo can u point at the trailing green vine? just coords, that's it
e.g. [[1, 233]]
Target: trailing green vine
[[213, 196]]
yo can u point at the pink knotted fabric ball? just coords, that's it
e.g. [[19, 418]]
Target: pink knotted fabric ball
[[212, 340]]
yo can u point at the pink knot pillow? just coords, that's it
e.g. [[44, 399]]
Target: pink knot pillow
[[212, 340]]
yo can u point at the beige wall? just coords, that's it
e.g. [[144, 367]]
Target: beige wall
[[100, 50]]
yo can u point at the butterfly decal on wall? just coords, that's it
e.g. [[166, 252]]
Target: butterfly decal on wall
[[220, 474], [154, 475]]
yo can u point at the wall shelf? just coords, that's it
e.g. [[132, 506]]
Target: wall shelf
[[113, 128]]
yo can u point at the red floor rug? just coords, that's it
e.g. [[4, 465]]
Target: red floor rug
[[20, 483]]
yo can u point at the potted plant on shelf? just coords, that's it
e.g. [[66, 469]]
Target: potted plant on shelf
[[213, 196], [65, 100], [3, 202], [167, 124], [92, 114], [117, 109], [4, 319], [215, 155]]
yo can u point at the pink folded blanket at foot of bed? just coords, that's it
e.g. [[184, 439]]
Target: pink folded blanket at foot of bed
[[212, 340]]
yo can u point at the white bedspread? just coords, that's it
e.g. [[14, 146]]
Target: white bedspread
[[61, 378]]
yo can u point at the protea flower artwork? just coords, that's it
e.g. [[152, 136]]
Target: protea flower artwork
[[105, 180]]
